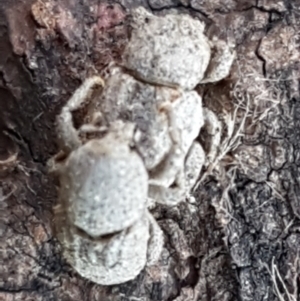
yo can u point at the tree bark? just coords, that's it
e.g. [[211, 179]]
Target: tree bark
[[239, 239]]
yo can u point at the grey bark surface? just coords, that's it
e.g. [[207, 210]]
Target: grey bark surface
[[240, 239]]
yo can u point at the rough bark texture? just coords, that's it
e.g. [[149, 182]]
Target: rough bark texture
[[240, 239]]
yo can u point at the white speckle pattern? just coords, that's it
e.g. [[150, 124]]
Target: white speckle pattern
[[143, 150]]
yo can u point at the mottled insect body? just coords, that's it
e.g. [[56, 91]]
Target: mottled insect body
[[136, 146]]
